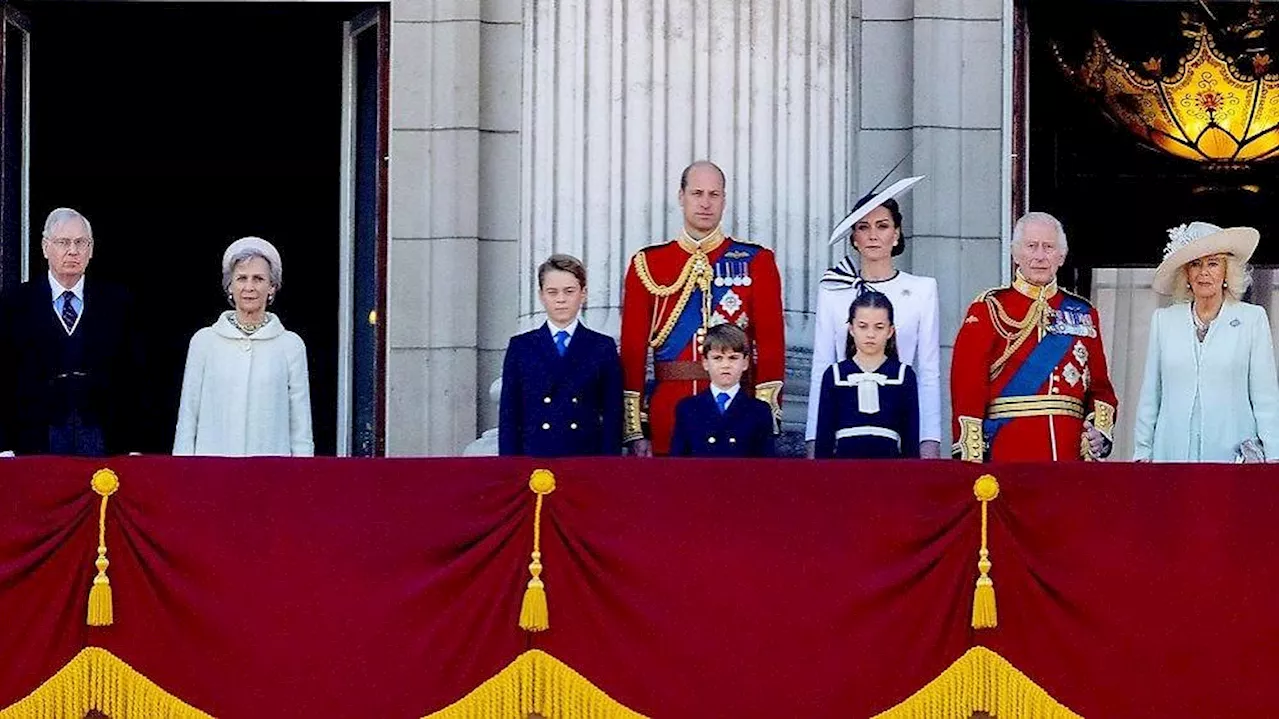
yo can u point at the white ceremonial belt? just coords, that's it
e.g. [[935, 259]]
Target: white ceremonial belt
[[869, 432]]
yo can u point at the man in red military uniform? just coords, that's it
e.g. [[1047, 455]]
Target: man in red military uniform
[[675, 291], [1028, 377]]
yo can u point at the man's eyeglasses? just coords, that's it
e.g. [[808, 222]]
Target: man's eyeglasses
[[66, 243]]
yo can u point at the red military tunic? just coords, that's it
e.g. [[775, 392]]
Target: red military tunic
[[1013, 400], [673, 292]]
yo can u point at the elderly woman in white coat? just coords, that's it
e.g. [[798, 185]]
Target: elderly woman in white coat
[[877, 238], [1209, 392], [245, 391]]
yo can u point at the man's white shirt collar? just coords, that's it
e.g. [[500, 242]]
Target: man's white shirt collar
[[57, 289]]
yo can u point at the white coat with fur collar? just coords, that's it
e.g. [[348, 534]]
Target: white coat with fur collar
[[245, 395]]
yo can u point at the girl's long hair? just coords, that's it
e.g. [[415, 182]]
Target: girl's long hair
[[874, 300]]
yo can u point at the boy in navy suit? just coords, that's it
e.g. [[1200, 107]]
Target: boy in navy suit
[[562, 382], [723, 421]]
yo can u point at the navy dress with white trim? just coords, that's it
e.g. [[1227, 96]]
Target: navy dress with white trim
[[868, 415]]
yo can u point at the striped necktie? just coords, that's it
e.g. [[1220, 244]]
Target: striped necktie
[[69, 313]]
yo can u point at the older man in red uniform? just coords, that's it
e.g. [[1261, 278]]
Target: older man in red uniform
[[1028, 377], [675, 291]]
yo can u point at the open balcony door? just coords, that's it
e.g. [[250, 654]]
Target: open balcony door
[[362, 292], [15, 54]]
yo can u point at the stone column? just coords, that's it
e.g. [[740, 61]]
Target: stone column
[[455, 141], [931, 77], [620, 95]]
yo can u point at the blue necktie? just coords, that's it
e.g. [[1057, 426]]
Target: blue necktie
[[562, 342], [69, 313], [722, 399]]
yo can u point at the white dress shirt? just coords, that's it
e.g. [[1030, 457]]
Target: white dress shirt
[[77, 301], [554, 329]]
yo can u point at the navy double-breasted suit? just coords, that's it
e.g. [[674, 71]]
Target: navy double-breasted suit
[[745, 429], [555, 406]]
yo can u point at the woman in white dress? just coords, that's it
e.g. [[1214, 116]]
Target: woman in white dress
[[1209, 392], [877, 238], [245, 390]]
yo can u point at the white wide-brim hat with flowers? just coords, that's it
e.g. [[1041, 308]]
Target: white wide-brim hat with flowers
[[1200, 239]]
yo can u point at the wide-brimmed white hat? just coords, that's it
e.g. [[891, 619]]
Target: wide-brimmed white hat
[[256, 244], [1200, 239], [870, 202]]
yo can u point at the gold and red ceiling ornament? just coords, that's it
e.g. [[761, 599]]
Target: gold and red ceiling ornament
[[1209, 108]]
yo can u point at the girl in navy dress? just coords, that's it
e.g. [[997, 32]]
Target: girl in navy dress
[[868, 406]]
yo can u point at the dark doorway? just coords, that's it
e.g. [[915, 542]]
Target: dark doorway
[[177, 128]]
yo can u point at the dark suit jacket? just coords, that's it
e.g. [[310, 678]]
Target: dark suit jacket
[[555, 406], [744, 430], [108, 368]]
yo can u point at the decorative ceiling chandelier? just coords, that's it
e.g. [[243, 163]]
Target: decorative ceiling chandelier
[[1205, 110]]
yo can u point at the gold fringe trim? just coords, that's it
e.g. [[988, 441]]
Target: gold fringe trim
[[536, 683], [984, 592], [981, 680], [104, 483], [96, 679], [533, 608]]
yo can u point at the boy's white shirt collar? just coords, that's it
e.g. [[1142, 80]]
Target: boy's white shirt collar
[[732, 391], [572, 327]]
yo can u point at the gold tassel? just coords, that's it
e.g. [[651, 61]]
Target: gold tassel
[[533, 608], [104, 482], [984, 594]]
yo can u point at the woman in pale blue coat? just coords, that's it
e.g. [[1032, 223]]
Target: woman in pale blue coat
[[1209, 393]]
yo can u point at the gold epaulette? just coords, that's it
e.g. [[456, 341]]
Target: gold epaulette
[[983, 295], [1080, 297]]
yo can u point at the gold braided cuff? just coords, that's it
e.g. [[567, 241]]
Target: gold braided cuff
[[1104, 418], [971, 446], [631, 430], [771, 392]]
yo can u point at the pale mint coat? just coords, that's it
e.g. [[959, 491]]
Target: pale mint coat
[[1236, 375]]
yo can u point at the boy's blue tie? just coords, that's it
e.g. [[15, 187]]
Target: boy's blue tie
[[722, 399], [562, 342], [69, 313]]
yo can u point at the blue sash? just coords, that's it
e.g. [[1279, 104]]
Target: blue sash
[[1038, 365], [733, 262]]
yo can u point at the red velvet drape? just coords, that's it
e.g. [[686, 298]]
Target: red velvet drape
[[681, 588]]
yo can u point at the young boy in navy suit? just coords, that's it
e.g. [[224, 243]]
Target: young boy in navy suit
[[562, 382], [723, 420]]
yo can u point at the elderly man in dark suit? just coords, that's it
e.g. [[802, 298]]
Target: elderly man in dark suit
[[69, 381], [562, 382]]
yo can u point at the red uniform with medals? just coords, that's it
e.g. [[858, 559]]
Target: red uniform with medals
[[1027, 371], [675, 290]]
